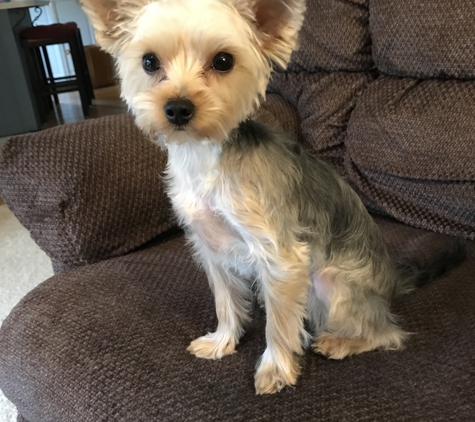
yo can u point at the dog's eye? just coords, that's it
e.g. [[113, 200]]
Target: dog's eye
[[150, 63], [223, 62]]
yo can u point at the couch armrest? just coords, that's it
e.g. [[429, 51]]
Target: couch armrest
[[87, 191]]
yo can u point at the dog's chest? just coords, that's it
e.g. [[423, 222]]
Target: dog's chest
[[202, 198], [213, 229]]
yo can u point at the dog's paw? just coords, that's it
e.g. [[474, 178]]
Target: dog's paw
[[212, 346], [334, 346], [271, 376], [337, 347]]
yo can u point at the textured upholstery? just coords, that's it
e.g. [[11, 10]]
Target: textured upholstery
[[117, 351], [411, 152], [335, 37], [433, 39], [324, 102], [87, 194], [385, 91]]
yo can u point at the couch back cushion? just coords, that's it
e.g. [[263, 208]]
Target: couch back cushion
[[334, 37], [410, 142], [424, 39], [421, 129], [328, 72]]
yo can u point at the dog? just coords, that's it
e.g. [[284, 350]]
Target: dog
[[256, 208]]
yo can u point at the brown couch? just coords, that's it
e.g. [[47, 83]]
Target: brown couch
[[382, 90]]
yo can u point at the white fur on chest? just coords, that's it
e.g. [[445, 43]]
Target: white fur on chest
[[202, 198], [194, 177]]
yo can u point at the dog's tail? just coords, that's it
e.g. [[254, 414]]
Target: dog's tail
[[416, 273]]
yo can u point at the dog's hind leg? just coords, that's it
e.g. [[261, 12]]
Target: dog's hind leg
[[358, 317]]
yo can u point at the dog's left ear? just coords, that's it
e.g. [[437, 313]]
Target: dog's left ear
[[277, 22]]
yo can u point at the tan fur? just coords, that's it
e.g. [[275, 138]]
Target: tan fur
[[335, 346]]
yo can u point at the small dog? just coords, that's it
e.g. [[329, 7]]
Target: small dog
[[254, 205]]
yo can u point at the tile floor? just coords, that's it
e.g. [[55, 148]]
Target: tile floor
[[107, 101]]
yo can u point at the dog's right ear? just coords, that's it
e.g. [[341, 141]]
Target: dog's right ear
[[110, 20], [277, 23]]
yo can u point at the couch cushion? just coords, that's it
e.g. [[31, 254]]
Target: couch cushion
[[93, 190], [334, 37], [280, 114], [108, 342], [415, 128], [87, 191], [411, 152], [324, 102], [424, 39]]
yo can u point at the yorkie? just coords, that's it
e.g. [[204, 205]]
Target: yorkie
[[256, 208]]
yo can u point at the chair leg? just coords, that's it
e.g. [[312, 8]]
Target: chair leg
[[78, 68], [33, 69], [87, 76], [50, 77], [45, 89]]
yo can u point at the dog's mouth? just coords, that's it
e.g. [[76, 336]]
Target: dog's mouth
[[179, 134]]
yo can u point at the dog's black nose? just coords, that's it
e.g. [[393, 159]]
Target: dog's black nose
[[179, 111]]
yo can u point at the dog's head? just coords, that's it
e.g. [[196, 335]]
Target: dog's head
[[194, 69]]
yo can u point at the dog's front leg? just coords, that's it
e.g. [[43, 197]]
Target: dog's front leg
[[231, 295], [285, 285]]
